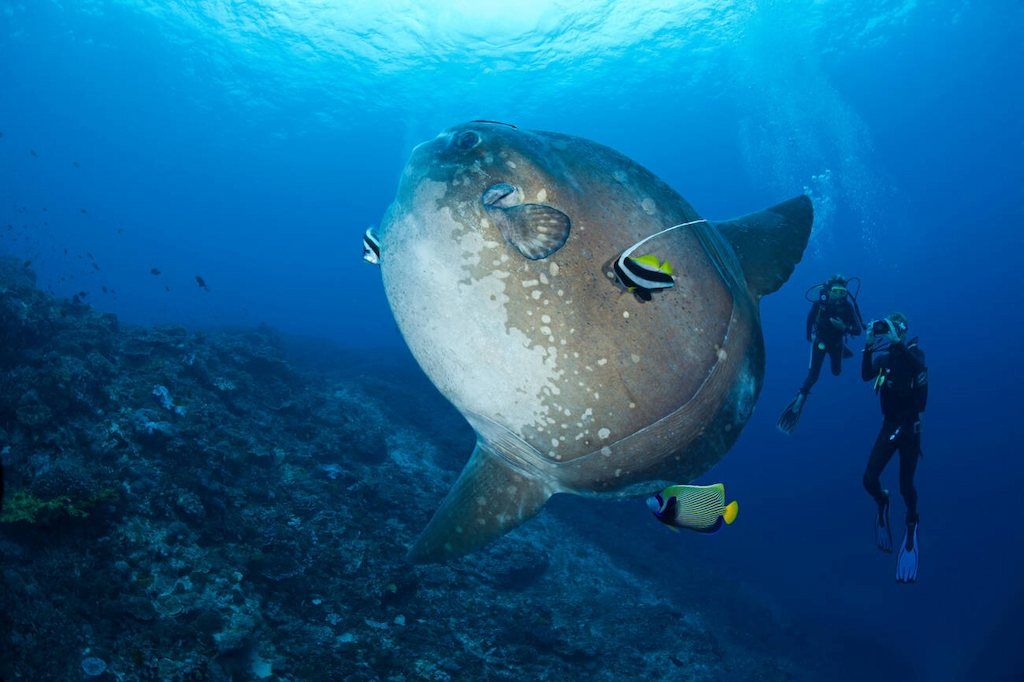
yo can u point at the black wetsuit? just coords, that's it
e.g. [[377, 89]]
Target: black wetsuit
[[826, 338], [903, 396]]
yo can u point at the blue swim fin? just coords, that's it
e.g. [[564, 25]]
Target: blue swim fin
[[883, 528], [906, 564]]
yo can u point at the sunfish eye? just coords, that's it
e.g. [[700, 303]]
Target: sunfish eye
[[467, 140]]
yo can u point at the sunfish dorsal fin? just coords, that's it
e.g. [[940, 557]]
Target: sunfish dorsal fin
[[771, 242], [490, 498], [537, 231]]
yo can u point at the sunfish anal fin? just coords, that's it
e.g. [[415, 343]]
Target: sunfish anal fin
[[490, 498], [537, 231], [771, 242]]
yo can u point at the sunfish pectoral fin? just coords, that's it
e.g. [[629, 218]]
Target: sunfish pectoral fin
[[536, 230], [771, 242], [490, 498]]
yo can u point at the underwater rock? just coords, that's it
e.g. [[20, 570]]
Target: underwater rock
[[262, 531], [93, 667]]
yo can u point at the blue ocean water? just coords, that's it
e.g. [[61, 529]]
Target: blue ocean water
[[252, 143]]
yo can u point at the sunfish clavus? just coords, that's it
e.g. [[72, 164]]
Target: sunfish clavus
[[498, 258]]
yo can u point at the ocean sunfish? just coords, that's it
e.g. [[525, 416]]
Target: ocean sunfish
[[498, 257]]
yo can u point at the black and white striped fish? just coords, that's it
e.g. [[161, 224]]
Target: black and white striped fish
[[371, 247], [645, 274]]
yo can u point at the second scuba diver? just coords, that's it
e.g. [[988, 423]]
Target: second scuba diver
[[833, 315], [900, 378]]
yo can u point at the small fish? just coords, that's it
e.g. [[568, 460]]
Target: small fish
[[96, 267], [34, 153], [167, 287], [89, 254], [371, 247], [82, 211], [120, 230], [701, 508], [27, 264], [643, 275], [75, 164], [202, 283], [104, 289], [83, 294], [155, 272]]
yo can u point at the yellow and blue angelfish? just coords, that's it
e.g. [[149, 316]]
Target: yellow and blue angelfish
[[700, 508]]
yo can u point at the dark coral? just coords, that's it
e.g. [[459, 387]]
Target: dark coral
[[204, 506]]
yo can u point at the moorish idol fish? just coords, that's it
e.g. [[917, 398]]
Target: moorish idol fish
[[644, 274], [701, 508], [371, 247]]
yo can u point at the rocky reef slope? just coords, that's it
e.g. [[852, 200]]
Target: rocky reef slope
[[202, 506]]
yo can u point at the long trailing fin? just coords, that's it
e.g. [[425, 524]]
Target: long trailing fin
[[490, 498], [771, 242]]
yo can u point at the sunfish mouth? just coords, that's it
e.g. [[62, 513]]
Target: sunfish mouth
[[501, 195]]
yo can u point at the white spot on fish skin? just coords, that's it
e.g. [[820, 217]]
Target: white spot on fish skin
[[482, 521], [625, 313], [606, 451], [481, 500], [553, 269], [603, 361], [542, 195], [554, 442], [634, 357], [535, 294], [603, 433], [458, 529], [447, 546], [527, 283], [546, 331], [648, 206], [610, 275], [511, 164], [546, 319], [632, 405], [722, 355], [618, 472], [620, 176], [485, 223], [543, 278]]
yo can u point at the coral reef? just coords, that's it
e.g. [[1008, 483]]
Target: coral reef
[[187, 505]]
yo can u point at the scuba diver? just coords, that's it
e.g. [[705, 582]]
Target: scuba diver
[[900, 376], [833, 315]]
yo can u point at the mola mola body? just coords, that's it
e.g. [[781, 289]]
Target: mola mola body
[[497, 258]]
